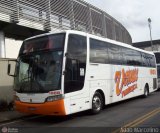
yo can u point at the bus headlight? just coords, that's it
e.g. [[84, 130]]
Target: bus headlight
[[54, 98]]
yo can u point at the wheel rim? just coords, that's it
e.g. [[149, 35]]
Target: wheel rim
[[97, 103]]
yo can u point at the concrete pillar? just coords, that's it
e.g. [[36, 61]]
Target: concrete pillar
[[47, 25], [72, 20], [90, 27], [2, 45], [104, 25]]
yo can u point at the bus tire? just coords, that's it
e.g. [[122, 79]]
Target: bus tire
[[97, 103], [146, 91]]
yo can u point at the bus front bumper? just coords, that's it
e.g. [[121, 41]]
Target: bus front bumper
[[47, 108]]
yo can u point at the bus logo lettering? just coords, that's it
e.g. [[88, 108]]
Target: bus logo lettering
[[126, 79], [153, 72]]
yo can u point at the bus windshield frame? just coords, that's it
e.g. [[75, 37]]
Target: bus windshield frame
[[40, 69]]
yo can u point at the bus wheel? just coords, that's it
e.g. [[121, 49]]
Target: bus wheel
[[146, 91], [97, 103]]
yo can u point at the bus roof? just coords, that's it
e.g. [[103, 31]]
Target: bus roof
[[93, 36]]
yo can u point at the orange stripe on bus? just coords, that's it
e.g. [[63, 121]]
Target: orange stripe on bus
[[47, 108]]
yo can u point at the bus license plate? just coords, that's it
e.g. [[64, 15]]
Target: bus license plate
[[32, 108]]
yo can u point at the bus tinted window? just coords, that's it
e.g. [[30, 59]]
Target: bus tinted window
[[152, 60], [75, 63], [148, 60], [77, 47], [158, 71], [98, 51], [115, 54], [43, 43], [157, 57], [132, 57], [144, 60], [108, 53]]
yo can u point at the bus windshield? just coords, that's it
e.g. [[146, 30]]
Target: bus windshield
[[39, 71]]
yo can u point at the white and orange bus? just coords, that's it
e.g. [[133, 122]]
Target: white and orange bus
[[72, 71]]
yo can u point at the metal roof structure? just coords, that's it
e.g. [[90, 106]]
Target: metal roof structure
[[50, 15], [146, 43]]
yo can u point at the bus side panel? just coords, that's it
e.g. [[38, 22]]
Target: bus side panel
[[67, 106], [119, 82], [78, 101], [124, 84], [99, 76], [133, 80]]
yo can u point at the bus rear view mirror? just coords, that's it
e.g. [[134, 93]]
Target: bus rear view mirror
[[11, 67]]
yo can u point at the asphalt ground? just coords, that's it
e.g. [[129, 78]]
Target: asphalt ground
[[134, 115]]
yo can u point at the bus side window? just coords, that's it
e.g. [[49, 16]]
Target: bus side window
[[115, 54], [152, 61], [98, 51], [146, 60]]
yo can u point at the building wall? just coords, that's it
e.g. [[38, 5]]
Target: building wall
[[6, 82], [12, 47], [147, 45], [155, 48]]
